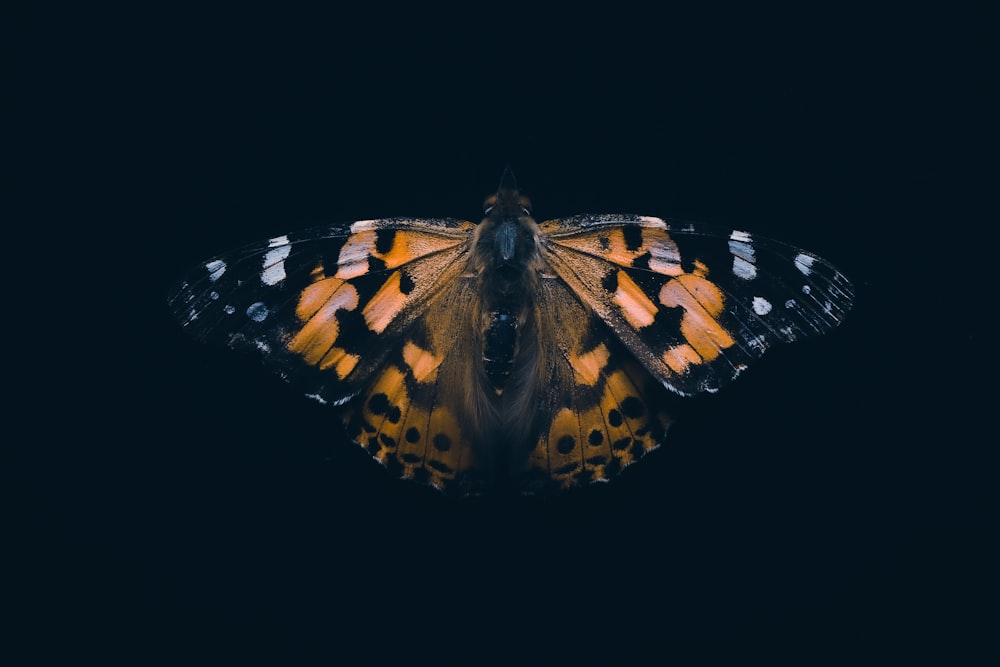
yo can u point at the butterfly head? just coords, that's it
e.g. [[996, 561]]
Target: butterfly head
[[507, 230], [506, 203]]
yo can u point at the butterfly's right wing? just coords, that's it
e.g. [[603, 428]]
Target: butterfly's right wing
[[324, 307]]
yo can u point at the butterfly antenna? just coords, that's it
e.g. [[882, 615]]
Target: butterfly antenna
[[507, 172]]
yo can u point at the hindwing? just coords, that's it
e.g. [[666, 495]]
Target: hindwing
[[602, 411]]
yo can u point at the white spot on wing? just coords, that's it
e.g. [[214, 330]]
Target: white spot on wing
[[743, 269], [806, 289], [317, 398], [744, 266], [258, 312], [215, 269], [278, 241], [761, 306], [274, 264], [229, 309], [804, 262], [345, 399]]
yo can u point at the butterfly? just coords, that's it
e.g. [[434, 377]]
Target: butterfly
[[510, 353]]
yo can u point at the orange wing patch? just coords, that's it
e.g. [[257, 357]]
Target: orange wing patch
[[635, 305], [423, 363], [386, 304], [681, 357], [587, 367], [317, 309], [702, 302]]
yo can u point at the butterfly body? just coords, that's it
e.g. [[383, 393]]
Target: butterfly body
[[508, 352]]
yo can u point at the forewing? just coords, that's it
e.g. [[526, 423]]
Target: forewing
[[694, 305], [323, 306]]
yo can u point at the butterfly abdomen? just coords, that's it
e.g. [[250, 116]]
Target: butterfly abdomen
[[499, 344]]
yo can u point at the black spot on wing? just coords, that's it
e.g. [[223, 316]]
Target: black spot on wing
[[384, 240], [378, 404], [567, 468], [406, 283], [441, 442], [440, 467], [633, 407], [610, 282], [566, 444], [642, 261], [633, 237]]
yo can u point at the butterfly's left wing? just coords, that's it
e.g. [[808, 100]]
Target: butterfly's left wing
[[694, 305]]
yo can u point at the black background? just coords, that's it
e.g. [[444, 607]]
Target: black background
[[176, 502]]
